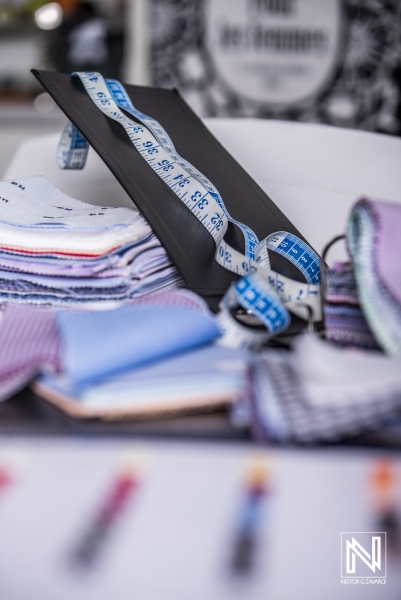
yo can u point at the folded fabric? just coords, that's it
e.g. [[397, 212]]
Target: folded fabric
[[319, 392], [29, 345], [58, 251], [344, 321], [35, 215], [107, 361], [34, 202], [120, 261], [204, 377], [374, 242], [84, 346], [98, 344], [69, 242]]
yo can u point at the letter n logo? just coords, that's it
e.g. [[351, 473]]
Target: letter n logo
[[373, 559], [363, 554]]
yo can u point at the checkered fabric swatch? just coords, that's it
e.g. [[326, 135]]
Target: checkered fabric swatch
[[319, 392]]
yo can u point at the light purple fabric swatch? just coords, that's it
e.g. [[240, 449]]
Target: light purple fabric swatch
[[374, 242], [29, 345], [388, 245]]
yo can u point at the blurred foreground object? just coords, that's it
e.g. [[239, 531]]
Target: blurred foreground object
[[168, 532], [384, 488]]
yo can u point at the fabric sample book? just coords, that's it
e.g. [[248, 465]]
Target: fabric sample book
[[374, 243]]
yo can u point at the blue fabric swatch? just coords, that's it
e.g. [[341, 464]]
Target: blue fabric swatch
[[98, 344]]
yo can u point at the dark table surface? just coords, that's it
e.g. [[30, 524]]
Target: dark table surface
[[28, 414]]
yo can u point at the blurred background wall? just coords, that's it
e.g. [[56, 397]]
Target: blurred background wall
[[53, 35], [329, 61]]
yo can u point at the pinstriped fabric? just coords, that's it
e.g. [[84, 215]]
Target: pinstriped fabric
[[29, 344], [179, 298]]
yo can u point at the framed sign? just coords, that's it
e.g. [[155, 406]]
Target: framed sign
[[324, 61]]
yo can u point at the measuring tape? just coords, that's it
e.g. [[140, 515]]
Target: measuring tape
[[72, 149], [265, 293]]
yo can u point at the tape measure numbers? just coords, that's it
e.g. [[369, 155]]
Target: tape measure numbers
[[261, 290]]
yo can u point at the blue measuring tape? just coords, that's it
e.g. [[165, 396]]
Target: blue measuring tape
[[267, 294], [72, 150]]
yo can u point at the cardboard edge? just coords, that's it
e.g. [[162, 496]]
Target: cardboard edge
[[73, 409]]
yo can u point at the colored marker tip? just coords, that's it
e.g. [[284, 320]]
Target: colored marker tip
[[110, 511], [258, 479], [383, 475], [5, 479]]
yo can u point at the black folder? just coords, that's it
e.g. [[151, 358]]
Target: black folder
[[187, 242]]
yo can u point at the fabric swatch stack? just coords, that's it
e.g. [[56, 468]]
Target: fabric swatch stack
[[318, 392], [363, 296], [58, 251], [374, 242], [156, 355], [87, 345]]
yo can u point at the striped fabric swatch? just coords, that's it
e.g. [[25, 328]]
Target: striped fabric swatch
[[29, 345], [59, 252], [345, 323]]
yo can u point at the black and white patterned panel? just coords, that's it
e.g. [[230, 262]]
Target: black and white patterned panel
[[322, 61]]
